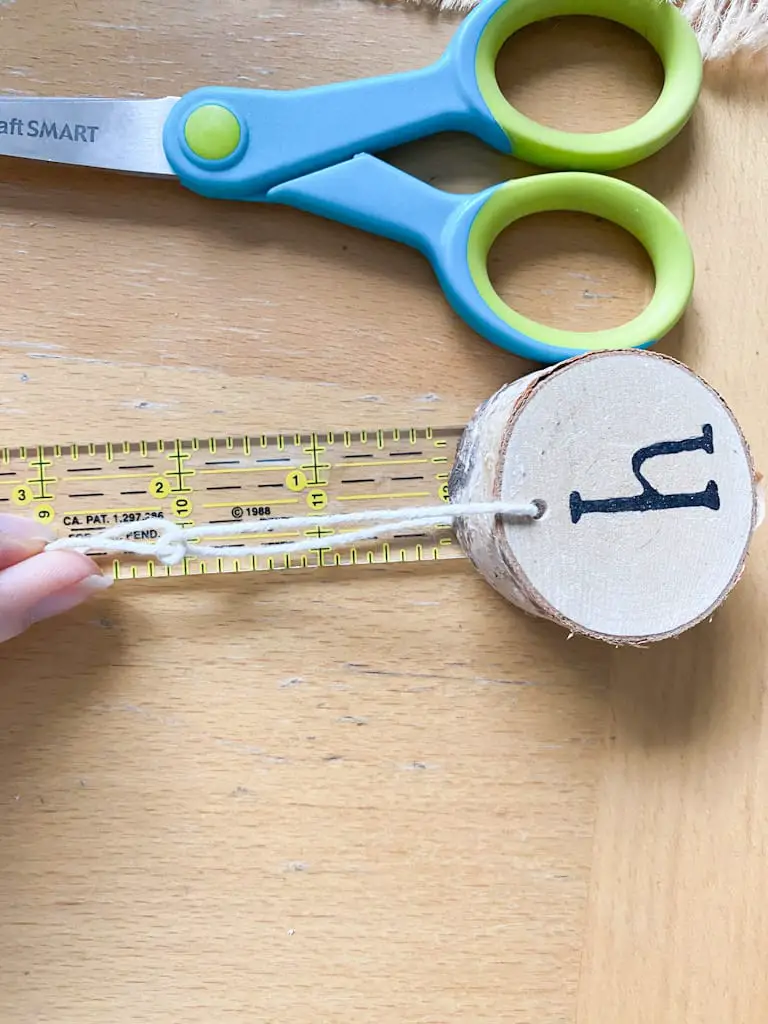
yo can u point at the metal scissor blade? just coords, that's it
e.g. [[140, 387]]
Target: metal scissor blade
[[120, 135]]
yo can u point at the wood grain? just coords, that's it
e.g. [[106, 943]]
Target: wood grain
[[361, 796], [596, 423]]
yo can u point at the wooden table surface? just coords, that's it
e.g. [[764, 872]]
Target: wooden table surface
[[382, 796]]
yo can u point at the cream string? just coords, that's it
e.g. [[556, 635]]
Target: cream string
[[175, 542]]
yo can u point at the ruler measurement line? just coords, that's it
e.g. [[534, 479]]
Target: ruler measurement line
[[178, 456], [380, 497], [228, 504], [117, 476], [82, 488], [315, 449], [246, 469], [383, 462], [116, 511]]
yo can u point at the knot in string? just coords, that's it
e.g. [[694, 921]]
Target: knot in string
[[169, 542], [171, 546]]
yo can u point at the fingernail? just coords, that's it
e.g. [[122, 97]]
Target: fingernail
[[70, 598]]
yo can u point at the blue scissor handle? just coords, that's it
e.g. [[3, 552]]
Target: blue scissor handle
[[285, 134], [303, 147], [456, 233], [280, 135]]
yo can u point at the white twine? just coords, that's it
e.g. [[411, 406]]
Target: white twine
[[724, 27], [175, 542]]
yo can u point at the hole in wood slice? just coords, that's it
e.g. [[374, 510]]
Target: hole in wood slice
[[649, 489], [571, 271], [580, 74]]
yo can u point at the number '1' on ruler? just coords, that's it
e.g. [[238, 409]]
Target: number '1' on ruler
[[80, 489]]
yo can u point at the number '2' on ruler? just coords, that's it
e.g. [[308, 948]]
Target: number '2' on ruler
[[80, 489]]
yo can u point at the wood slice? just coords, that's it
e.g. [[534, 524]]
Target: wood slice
[[648, 493]]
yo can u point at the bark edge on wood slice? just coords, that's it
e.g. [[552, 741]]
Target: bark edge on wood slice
[[648, 492]]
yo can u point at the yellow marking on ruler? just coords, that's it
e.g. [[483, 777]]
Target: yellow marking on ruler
[[276, 468], [379, 497], [174, 475], [253, 536], [378, 462], [116, 511], [254, 504], [81, 478]]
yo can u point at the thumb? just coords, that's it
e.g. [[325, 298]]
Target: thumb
[[36, 584]]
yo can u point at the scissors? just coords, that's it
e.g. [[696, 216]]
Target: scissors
[[313, 149]]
